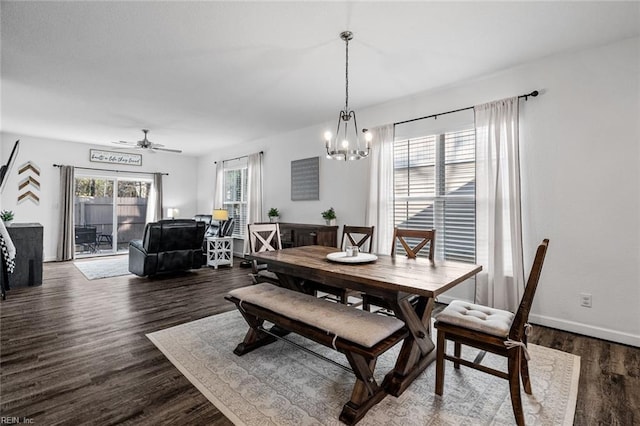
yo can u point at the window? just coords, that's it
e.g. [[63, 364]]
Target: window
[[109, 212], [434, 187], [235, 196]]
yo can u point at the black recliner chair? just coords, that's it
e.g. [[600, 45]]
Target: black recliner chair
[[167, 245]]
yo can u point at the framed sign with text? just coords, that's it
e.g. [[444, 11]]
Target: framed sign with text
[[99, 156]]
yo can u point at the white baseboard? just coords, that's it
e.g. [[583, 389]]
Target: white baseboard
[[587, 330], [574, 327]]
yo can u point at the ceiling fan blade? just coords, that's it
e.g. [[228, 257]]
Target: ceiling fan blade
[[177, 151], [146, 145]]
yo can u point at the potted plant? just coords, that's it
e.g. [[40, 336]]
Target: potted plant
[[7, 217], [329, 216], [274, 214]]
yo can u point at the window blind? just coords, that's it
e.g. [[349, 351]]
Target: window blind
[[235, 197], [434, 187]]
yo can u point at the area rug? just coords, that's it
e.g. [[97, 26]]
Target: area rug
[[104, 268], [283, 385]]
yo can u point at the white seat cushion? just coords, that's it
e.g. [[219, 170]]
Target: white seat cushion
[[355, 325], [477, 317]]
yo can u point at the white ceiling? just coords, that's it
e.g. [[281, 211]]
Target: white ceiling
[[203, 75]]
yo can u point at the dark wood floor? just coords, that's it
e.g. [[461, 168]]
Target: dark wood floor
[[74, 352]]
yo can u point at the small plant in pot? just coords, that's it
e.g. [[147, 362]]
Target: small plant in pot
[[329, 216], [7, 217], [274, 214]]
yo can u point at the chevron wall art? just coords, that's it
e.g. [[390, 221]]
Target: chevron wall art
[[29, 183]]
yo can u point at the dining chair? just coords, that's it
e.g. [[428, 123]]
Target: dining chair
[[360, 236], [491, 330], [412, 241], [263, 237], [421, 237]]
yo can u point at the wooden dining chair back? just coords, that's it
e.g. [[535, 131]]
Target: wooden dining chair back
[[418, 237], [263, 237], [491, 330], [412, 241], [360, 236]]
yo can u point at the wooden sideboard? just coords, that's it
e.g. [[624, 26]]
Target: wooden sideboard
[[300, 234]]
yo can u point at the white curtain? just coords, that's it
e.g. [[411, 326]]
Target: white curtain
[[379, 211], [498, 216], [254, 193], [154, 203], [218, 195]]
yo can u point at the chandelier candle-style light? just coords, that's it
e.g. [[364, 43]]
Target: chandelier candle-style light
[[346, 144]]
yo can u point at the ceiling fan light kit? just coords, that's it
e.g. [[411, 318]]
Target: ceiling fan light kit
[[346, 144], [146, 144]]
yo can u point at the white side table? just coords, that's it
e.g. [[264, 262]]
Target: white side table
[[219, 251]]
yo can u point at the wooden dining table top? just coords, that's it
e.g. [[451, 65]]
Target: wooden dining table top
[[419, 276]]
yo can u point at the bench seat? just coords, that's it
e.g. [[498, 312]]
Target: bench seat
[[360, 335], [355, 325]]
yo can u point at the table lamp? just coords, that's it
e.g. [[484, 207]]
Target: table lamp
[[172, 212], [221, 216]]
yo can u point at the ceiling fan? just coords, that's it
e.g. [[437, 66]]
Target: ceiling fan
[[147, 144]]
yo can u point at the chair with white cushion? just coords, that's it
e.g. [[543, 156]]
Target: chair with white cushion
[[491, 330]]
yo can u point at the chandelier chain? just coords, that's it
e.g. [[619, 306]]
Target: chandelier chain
[[346, 78]]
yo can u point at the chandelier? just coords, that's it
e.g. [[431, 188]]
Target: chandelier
[[346, 144]]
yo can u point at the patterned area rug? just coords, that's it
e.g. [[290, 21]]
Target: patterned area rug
[[104, 268], [282, 385]]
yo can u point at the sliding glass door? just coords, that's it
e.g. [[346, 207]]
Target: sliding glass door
[[108, 213], [93, 215], [131, 210]]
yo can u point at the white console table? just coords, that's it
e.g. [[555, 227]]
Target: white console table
[[219, 251]]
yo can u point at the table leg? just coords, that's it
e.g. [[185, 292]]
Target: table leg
[[417, 350]]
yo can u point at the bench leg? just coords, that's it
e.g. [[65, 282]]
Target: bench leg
[[254, 338], [366, 392]]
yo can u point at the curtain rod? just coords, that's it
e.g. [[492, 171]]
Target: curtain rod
[[111, 170], [525, 96], [236, 158]]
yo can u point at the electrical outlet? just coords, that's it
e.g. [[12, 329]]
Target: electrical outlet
[[585, 300]]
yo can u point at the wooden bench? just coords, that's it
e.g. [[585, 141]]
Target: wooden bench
[[360, 335]]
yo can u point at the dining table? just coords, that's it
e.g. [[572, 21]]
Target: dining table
[[408, 285]]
